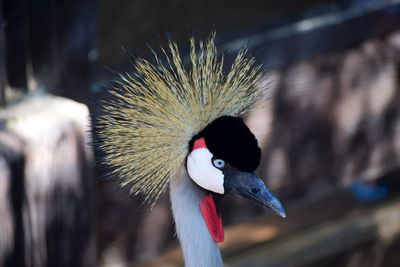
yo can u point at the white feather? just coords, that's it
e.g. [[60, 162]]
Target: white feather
[[203, 172]]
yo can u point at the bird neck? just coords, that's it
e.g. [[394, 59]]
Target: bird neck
[[199, 249]]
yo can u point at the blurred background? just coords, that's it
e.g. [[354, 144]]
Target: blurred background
[[329, 127]]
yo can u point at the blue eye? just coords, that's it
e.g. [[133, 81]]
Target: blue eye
[[218, 163]]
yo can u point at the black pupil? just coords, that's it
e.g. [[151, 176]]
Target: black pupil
[[219, 163]]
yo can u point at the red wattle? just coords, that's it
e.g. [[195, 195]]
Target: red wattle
[[199, 143], [212, 219]]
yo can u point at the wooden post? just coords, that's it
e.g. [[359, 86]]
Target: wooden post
[[46, 185]]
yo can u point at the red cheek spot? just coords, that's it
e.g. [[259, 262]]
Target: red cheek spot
[[199, 143], [212, 219]]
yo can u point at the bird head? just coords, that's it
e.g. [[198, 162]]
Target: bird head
[[223, 159], [167, 116]]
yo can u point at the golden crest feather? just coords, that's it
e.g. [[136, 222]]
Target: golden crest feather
[[146, 128]]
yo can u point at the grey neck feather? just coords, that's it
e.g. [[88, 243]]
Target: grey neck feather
[[199, 249]]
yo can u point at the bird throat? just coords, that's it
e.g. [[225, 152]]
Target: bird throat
[[212, 218]]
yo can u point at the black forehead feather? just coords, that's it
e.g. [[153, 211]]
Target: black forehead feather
[[228, 138]]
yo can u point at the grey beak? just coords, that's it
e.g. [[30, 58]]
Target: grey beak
[[250, 186]]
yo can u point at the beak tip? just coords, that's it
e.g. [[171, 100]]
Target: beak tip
[[279, 209], [282, 214]]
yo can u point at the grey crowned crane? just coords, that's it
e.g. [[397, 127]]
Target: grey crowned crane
[[167, 125]]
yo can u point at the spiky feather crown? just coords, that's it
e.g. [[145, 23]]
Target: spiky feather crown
[[146, 129]]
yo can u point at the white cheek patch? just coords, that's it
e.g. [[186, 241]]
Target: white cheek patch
[[203, 172]]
